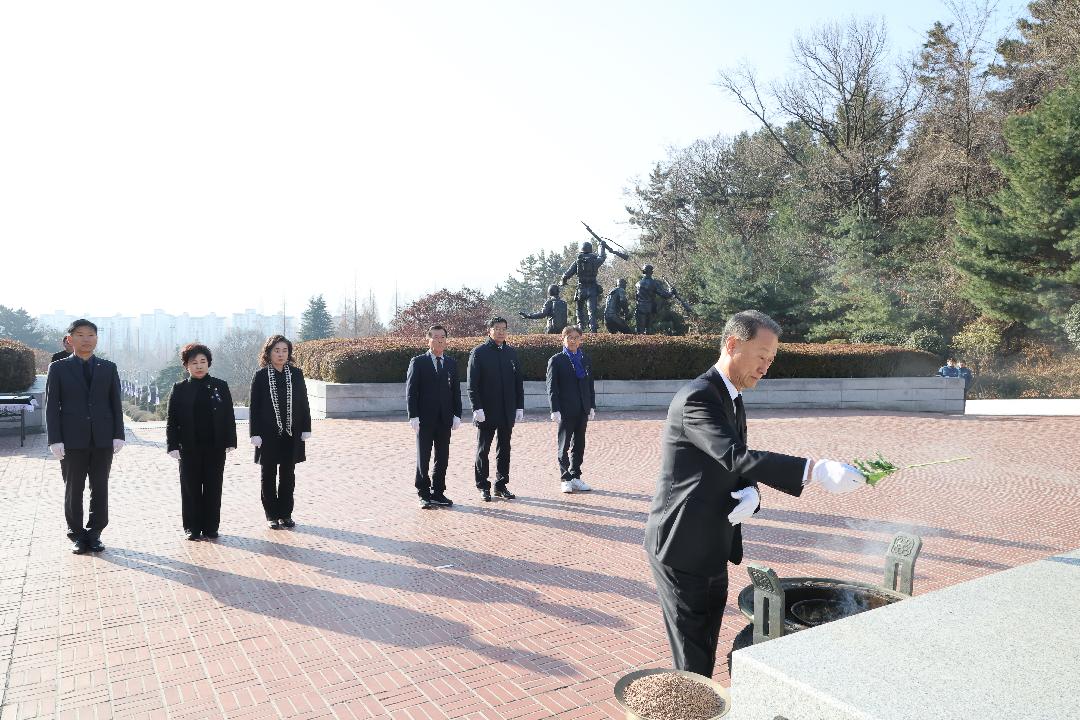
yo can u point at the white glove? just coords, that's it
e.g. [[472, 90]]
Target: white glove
[[229, 450], [174, 454], [305, 436], [837, 477], [456, 424], [57, 449], [256, 441], [556, 417], [478, 416], [592, 414], [749, 499], [414, 423], [519, 415], [117, 446]]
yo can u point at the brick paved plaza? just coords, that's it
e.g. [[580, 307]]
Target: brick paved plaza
[[373, 608]]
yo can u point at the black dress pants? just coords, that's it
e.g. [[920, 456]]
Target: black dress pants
[[201, 471], [78, 465], [486, 433], [693, 606], [438, 436], [278, 484], [572, 445]]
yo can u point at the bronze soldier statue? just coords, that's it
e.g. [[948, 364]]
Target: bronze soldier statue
[[616, 309], [586, 267], [647, 305], [554, 310]]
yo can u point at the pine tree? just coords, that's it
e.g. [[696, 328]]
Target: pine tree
[[316, 322], [1020, 251]]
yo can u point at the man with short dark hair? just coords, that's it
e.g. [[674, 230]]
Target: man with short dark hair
[[708, 487], [86, 428], [572, 399], [433, 397], [964, 372], [949, 369], [61, 354], [497, 395]]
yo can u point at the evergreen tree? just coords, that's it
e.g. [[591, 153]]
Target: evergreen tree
[[1020, 250], [316, 322], [19, 325]]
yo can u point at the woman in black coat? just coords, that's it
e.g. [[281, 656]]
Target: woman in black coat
[[280, 424], [200, 430]]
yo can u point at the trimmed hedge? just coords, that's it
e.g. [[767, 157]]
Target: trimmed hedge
[[615, 357], [16, 366]]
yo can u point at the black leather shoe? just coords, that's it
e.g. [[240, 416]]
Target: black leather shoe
[[426, 504], [96, 546], [440, 499], [485, 495], [504, 493], [287, 522], [211, 534], [79, 547], [193, 535]]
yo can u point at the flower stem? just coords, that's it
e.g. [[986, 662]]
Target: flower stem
[[937, 462]]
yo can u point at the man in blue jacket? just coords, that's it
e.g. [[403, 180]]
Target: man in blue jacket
[[86, 428], [497, 394], [433, 396]]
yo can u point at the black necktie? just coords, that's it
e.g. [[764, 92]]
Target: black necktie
[[438, 363], [740, 418], [87, 372]]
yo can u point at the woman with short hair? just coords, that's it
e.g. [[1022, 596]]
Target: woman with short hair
[[201, 429], [280, 424]]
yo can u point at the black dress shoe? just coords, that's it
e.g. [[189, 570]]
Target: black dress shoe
[[504, 493], [193, 535], [287, 522], [97, 546], [485, 495], [212, 534], [426, 504], [440, 499], [80, 546]]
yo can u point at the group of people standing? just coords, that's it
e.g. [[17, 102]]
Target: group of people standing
[[86, 429], [497, 394]]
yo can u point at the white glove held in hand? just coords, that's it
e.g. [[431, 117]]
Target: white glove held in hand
[[837, 477], [456, 424], [478, 416], [305, 436], [117, 446], [749, 499], [57, 449], [592, 414], [519, 415], [256, 441], [556, 417], [229, 450], [414, 423], [174, 454]]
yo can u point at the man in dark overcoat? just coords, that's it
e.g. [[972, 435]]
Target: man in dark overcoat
[[572, 399], [497, 395]]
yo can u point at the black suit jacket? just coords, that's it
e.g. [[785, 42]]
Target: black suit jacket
[[495, 382], [568, 394], [75, 413], [704, 459], [180, 429], [262, 421], [434, 398]]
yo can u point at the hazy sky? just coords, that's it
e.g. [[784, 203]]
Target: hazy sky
[[212, 156]]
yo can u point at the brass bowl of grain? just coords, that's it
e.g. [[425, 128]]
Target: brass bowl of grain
[[671, 695]]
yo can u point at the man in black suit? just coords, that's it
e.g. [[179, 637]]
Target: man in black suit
[[708, 486], [86, 428], [498, 400], [433, 396], [572, 399]]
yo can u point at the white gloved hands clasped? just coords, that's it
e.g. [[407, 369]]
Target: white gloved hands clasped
[[592, 414], [414, 423], [519, 415], [556, 417], [256, 441], [174, 454], [456, 424], [749, 499], [305, 436], [117, 446], [57, 449], [837, 477], [478, 416]]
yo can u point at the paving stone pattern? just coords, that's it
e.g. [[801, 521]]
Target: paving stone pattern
[[512, 610]]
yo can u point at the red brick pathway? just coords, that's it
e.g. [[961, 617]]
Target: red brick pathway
[[372, 608]]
